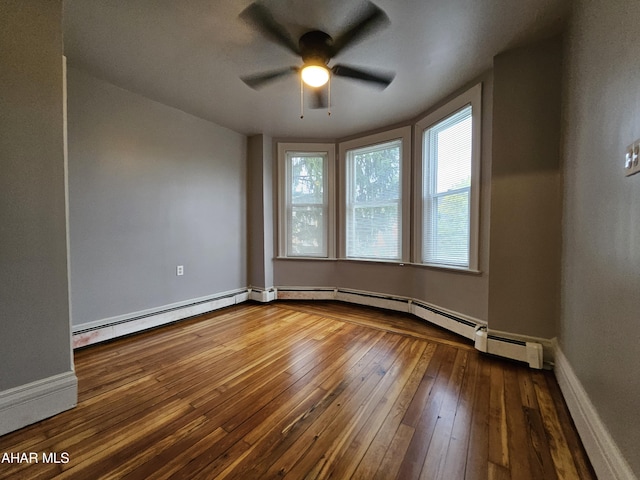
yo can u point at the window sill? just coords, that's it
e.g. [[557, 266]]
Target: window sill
[[315, 259], [449, 268], [382, 261], [461, 270]]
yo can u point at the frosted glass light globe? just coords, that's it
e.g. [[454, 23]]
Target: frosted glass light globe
[[315, 75]]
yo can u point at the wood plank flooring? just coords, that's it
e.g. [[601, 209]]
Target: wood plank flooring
[[303, 390]]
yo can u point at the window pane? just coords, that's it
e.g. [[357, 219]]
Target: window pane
[[373, 190], [447, 223], [306, 208], [307, 231], [374, 232], [447, 166], [451, 146], [306, 179]]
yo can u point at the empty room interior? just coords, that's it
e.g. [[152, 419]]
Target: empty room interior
[[423, 262]]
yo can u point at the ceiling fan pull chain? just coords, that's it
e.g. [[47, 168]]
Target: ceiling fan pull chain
[[329, 95], [301, 98]]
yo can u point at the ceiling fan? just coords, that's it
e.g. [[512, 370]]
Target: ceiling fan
[[316, 49]]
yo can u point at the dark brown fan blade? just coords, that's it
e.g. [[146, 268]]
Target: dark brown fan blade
[[319, 98], [371, 19], [258, 15], [380, 79], [259, 80]]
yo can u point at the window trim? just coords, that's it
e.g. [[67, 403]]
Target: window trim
[[284, 196], [472, 97], [404, 135]]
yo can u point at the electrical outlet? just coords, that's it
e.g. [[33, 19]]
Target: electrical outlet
[[180, 270]]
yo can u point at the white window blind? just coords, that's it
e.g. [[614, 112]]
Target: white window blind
[[373, 203], [447, 170], [306, 206]]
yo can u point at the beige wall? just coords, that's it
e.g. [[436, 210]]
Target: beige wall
[[600, 317], [526, 199], [260, 211]]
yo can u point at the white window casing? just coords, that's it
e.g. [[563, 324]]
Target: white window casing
[[306, 207], [447, 184], [375, 225]]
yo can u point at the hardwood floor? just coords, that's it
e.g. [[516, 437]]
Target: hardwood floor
[[303, 390]]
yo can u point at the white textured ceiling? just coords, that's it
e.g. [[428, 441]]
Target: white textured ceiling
[[190, 54]]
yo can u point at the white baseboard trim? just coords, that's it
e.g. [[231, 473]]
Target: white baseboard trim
[[108, 329], [529, 350], [35, 401], [606, 458]]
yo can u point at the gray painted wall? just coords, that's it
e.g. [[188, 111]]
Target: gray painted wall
[[150, 188], [526, 199], [600, 315], [34, 302]]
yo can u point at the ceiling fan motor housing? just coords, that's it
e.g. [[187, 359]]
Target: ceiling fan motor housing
[[315, 48]]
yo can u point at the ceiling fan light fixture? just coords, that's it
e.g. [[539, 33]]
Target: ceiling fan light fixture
[[315, 75]]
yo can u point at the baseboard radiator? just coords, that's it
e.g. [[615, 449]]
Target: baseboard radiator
[[530, 352], [114, 327]]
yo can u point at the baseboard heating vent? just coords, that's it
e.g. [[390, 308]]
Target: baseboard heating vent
[[397, 304], [262, 295], [480, 339], [294, 293], [528, 352], [110, 328], [525, 351], [450, 316], [449, 321]]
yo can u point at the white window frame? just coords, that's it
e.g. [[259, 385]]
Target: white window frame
[[472, 97], [284, 196], [404, 135]]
